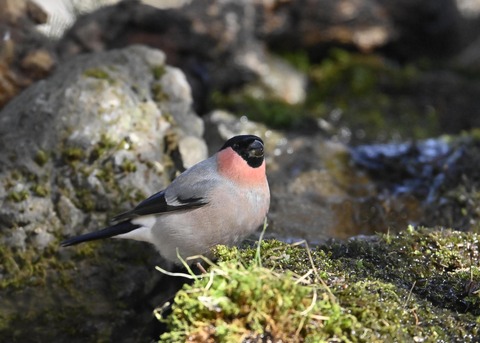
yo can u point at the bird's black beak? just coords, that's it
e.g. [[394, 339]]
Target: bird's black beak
[[255, 149]]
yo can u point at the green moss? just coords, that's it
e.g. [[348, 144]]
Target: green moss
[[419, 285], [428, 260], [104, 145], [41, 158], [106, 173], [34, 184], [238, 303], [169, 118], [158, 93], [97, 162], [158, 72], [128, 166], [274, 112], [97, 73], [18, 196], [369, 96], [84, 162], [73, 154], [299, 59], [16, 174], [39, 190], [84, 199], [28, 267], [32, 284]]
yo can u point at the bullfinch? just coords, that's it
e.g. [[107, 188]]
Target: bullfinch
[[220, 200]]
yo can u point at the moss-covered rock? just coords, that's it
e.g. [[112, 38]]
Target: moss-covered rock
[[417, 286]]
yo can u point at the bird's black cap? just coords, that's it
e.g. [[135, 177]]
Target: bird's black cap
[[249, 147]]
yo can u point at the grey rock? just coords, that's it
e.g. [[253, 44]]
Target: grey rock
[[99, 123], [16, 239], [192, 149], [43, 239]]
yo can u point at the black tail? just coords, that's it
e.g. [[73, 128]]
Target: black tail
[[110, 231]]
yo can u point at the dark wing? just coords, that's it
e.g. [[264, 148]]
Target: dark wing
[[158, 203], [189, 190]]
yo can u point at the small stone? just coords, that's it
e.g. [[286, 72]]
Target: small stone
[[193, 150], [42, 239], [70, 215]]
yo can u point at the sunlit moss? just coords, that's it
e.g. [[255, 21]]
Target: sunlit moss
[[158, 72], [41, 158], [106, 173], [237, 303], [419, 285], [274, 112], [128, 166], [104, 145], [84, 199], [98, 73], [73, 154], [26, 268], [40, 190], [18, 196], [158, 93]]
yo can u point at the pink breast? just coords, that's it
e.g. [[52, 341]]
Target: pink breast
[[233, 166]]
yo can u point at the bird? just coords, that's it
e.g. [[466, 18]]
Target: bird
[[218, 201]]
